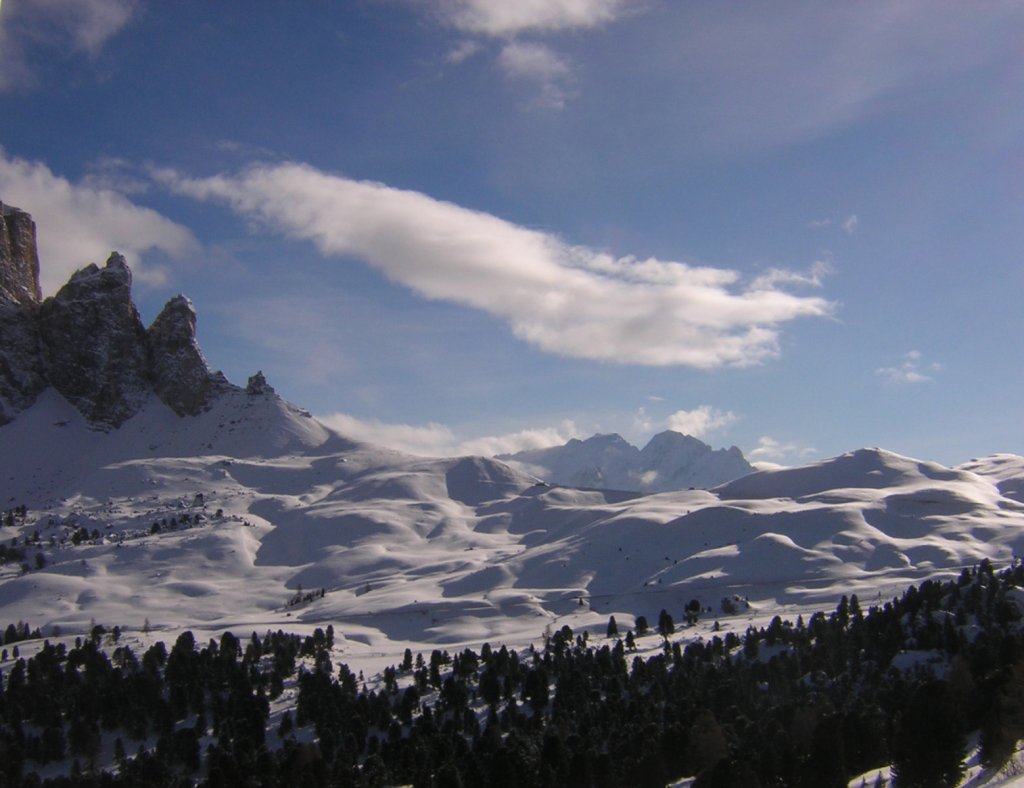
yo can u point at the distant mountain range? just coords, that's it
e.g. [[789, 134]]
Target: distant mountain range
[[669, 461]]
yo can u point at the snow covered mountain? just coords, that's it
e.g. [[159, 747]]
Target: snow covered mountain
[[224, 518], [237, 510], [669, 461]]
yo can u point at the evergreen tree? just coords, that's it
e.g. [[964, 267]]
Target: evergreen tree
[[929, 747], [666, 626]]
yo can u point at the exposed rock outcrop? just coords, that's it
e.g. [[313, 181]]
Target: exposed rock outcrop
[[258, 386], [19, 258], [181, 377], [95, 343], [22, 373], [88, 342]]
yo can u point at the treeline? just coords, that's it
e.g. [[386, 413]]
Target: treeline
[[805, 703]]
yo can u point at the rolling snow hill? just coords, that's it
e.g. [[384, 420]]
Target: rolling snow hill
[[157, 495], [257, 507]]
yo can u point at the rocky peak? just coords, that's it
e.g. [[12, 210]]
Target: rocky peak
[[96, 354], [181, 377], [88, 341], [258, 386], [670, 461], [19, 259]]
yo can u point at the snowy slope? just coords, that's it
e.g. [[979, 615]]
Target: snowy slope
[[1006, 470], [451, 550]]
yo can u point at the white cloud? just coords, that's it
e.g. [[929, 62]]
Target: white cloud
[[564, 299], [501, 18], [80, 223], [431, 440], [539, 64], [524, 440], [769, 452], [913, 369], [850, 224], [700, 421], [463, 51], [532, 62], [439, 440], [52, 26], [764, 465], [813, 277]]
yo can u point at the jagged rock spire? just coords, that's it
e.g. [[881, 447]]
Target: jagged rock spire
[[182, 378], [88, 342]]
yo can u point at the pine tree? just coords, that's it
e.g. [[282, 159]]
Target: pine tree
[[929, 748], [666, 626]]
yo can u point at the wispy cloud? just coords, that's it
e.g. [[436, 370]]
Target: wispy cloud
[[464, 50], [773, 77], [565, 299], [849, 225], [772, 451], [528, 61], [701, 421], [538, 64], [439, 440], [813, 277], [913, 369], [41, 28], [501, 18], [82, 223]]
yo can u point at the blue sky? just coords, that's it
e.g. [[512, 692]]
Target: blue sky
[[476, 226]]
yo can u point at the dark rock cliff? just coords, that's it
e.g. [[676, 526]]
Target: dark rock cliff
[[95, 343], [181, 377], [19, 260], [88, 342]]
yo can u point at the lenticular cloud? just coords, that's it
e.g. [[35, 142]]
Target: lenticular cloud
[[565, 299]]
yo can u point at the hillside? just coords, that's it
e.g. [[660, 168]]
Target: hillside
[[445, 550]]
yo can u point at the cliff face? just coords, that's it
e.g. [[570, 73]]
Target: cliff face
[[181, 377], [19, 260], [95, 343], [88, 342]]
